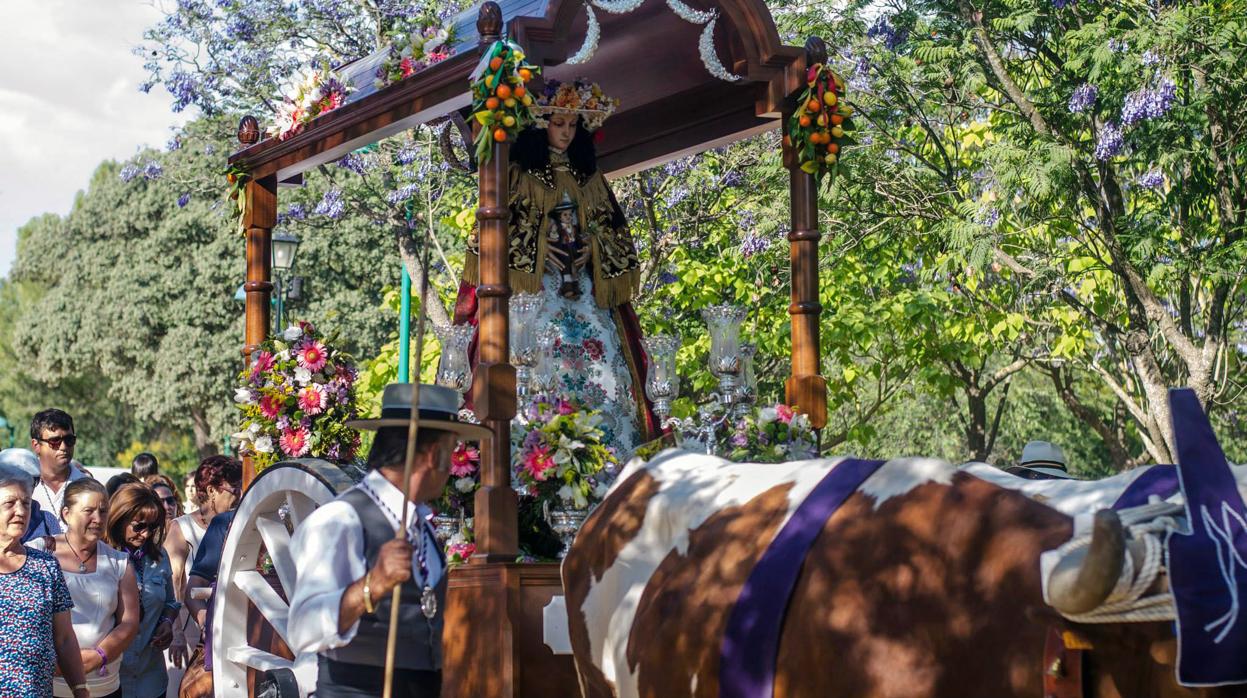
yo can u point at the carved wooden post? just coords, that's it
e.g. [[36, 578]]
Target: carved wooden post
[[258, 222], [806, 388], [493, 389]]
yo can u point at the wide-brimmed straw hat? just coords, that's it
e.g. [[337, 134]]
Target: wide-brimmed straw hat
[[580, 97], [439, 409]]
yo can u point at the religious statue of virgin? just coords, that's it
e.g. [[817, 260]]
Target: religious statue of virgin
[[569, 242]]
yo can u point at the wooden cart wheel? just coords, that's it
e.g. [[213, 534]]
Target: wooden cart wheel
[[278, 500]]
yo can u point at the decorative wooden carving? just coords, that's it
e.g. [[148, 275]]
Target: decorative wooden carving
[[248, 130], [489, 23], [815, 51], [806, 388], [493, 387]]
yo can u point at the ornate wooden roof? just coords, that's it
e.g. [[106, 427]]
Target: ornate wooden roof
[[648, 58]]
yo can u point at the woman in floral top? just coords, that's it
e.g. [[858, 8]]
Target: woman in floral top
[[34, 602]]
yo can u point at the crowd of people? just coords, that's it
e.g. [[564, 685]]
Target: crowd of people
[[96, 578]]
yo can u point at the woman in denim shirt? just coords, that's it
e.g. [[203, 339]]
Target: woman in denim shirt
[[136, 525]]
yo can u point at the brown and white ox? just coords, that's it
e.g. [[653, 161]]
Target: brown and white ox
[[924, 584]]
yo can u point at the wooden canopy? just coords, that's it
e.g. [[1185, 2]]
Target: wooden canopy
[[672, 105], [647, 58]]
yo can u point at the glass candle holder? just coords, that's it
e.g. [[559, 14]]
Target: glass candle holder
[[723, 322], [524, 309], [662, 383], [747, 390], [453, 369], [545, 379]]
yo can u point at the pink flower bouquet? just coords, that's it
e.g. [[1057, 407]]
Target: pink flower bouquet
[[770, 435], [558, 454], [295, 399]]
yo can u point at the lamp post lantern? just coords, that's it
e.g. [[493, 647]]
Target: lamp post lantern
[[285, 245]]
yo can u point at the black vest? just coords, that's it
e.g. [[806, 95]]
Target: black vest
[[419, 644]]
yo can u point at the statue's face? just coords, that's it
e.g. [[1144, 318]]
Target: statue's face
[[561, 130]]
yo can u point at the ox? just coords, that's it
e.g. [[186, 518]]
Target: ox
[[925, 583]]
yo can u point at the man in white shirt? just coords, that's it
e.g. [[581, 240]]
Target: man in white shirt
[[52, 439], [349, 558]]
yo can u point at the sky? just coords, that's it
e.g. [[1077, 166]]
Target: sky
[[69, 99]]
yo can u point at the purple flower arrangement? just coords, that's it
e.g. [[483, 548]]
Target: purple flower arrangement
[[770, 435]]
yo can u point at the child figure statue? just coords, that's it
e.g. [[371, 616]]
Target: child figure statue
[[565, 234]]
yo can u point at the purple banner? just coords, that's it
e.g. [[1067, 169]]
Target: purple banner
[[750, 646], [1208, 567]]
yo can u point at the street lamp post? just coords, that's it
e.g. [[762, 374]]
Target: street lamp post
[[284, 247]]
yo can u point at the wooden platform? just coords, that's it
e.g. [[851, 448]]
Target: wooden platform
[[503, 655]]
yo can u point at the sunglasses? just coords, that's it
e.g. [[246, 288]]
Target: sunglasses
[[141, 526], [169, 501], [56, 441]]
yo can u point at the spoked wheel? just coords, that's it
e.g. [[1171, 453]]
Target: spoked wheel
[[277, 502]]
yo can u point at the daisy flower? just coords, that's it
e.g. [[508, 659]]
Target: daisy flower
[[313, 356], [312, 399]]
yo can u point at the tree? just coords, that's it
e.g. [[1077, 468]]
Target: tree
[[161, 327]]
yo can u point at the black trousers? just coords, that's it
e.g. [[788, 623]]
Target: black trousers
[[342, 680]]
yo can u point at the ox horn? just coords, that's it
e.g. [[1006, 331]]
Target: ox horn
[[1084, 578]]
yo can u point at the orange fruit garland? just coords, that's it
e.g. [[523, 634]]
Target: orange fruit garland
[[500, 134], [804, 120], [496, 63], [836, 119], [519, 91], [504, 91], [491, 103], [526, 75], [813, 105]]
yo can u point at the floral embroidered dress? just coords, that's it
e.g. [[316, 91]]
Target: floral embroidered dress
[[29, 597], [600, 362]]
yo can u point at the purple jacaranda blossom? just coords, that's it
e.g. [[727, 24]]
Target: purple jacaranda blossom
[[891, 36], [296, 212], [184, 199], [667, 277], [752, 244], [129, 172], [1152, 179], [174, 143], [183, 88], [989, 217], [152, 170], [1118, 45], [402, 194], [1150, 58], [331, 206], [1109, 141], [1083, 98], [1148, 102], [733, 178], [354, 162], [407, 154]]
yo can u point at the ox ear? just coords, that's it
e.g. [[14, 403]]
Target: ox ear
[[1084, 577]]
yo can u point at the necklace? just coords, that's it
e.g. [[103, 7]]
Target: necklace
[[82, 563], [428, 599]]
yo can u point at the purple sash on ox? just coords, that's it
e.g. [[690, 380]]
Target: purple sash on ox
[[1208, 567], [1159, 480], [751, 640]]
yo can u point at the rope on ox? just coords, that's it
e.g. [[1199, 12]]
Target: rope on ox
[[1126, 604]]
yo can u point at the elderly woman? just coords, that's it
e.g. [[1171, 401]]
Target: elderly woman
[[34, 602], [102, 584], [136, 526]]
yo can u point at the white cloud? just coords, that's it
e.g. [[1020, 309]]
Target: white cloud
[[69, 99]]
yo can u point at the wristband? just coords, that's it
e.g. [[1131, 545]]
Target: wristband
[[103, 661], [368, 594], [79, 687]]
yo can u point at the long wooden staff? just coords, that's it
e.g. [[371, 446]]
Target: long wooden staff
[[413, 430]]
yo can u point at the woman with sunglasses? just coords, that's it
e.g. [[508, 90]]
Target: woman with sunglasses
[[217, 480], [164, 488], [136, 526], [102, 584]]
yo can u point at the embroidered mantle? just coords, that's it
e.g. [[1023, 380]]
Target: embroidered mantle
[[534, 194]]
